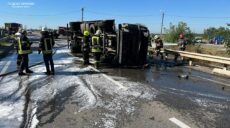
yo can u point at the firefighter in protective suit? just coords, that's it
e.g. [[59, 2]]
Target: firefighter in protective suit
[[97, 47], [182, 42], [46, 46], [23, 50], [159, 45], [85, 48], [16, 37]]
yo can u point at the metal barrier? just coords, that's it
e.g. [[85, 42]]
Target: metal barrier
[[216, 59], [205, 57]]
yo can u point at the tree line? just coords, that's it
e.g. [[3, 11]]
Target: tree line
[[172, 33]]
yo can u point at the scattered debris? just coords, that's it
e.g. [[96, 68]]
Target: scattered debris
[[222, 88], [183, 76], [152, 118]]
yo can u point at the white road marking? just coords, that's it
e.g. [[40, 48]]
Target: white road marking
[[214, 81], [178, 123], [5, 67], [109, 78]]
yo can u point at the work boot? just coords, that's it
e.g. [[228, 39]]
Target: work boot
[[21, 74], [29, 71], [47, 73], [96, 65], [85, 62], [52, 73]]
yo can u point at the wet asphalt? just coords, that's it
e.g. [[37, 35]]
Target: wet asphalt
[[202, 96]]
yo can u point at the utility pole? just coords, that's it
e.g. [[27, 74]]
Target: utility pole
[[82, 14], [162, 22]]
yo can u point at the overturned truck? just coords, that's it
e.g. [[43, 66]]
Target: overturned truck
[[126, 45]]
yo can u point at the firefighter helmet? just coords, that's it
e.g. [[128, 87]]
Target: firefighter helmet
[[44, 29], [156, 37], [98, 32], [86, 33], [181, 36]]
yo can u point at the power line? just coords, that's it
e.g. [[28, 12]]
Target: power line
[[119, 15], [199, 17]]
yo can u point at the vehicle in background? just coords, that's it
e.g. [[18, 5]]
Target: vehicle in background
[[12, 28], [2, 33], [217, 40], [62, 31], [198, 40], [55, 34], [29, 32]]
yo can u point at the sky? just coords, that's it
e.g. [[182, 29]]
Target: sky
[[198, 14]]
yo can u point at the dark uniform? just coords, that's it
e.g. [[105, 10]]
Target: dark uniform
[[182, 44], [85, 49], [23, 51], [46, 46], [159, 46], [97, 49]]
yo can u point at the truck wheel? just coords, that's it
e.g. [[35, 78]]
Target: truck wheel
[[92, 29]]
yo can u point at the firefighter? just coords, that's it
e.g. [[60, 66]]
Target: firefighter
[[85, 48], [182, 42], [46, 46], [159, 45], [24, 48], [16, 38], [97, 47]]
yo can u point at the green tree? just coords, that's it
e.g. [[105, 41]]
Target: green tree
[[173, 32], [211, 32]]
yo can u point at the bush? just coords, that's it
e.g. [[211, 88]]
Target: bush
[[227, 45], [172, 34]]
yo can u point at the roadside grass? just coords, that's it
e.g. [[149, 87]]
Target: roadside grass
[[204, 50], [207, 50]]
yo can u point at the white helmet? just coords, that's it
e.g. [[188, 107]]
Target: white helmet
[[156, 37], [18, 34], [98, 32], [44, 29]]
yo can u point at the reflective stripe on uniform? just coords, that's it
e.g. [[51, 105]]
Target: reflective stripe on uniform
[[20, 50], [95, 38], [95, 44], [47, 51]]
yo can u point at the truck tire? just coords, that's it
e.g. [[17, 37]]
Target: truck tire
[[84, 27], [92, 29]]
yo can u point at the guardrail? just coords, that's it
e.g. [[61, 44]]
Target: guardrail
[[205, 57], [216, 59]]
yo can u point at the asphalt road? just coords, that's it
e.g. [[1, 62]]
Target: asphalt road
[[84, 97]]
